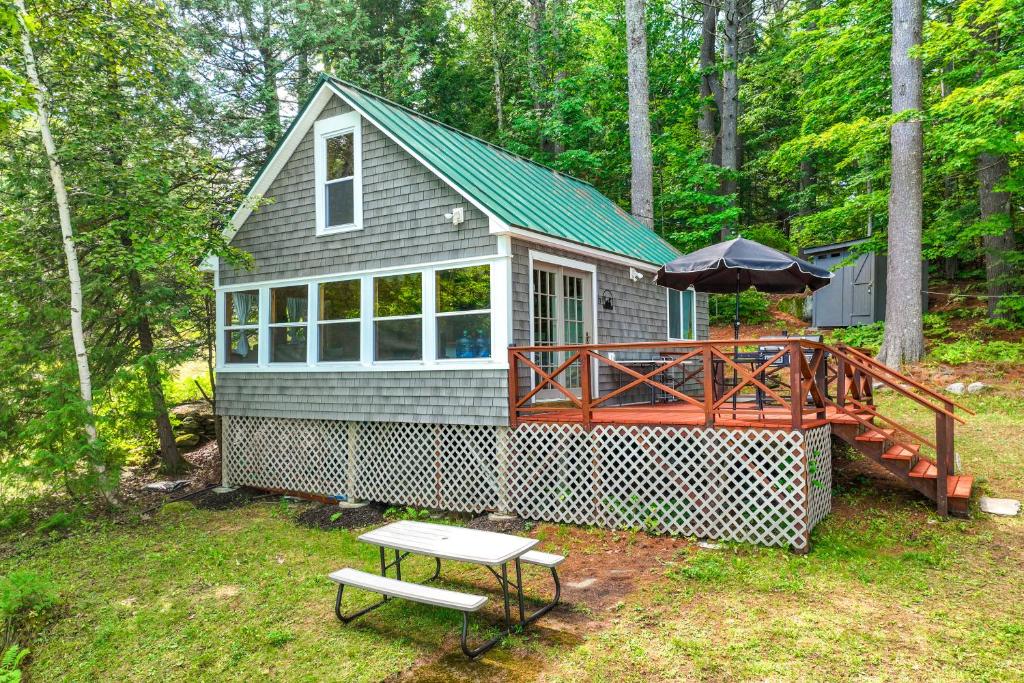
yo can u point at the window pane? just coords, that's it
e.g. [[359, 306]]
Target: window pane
[[398, 295], [340, 162], [289, 304], [464, 336], [339, 341], [673, 315], [339, 203], [288, 344], [242, 346], [464, 289], [242, 307], [399, 339], [339, 300]]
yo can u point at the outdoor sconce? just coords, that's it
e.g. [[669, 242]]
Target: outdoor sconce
[[606, 300]]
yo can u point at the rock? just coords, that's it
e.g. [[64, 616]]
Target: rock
[[707, 545], [187, 440], [585, 583], [976, 387], [956, 388], [1005, 507], [167, 486]]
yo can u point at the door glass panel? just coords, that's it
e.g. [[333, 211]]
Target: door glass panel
[[572, 322], [544, 307]]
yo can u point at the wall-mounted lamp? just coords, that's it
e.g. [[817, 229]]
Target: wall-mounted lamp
[[635, 275], [606, 300]]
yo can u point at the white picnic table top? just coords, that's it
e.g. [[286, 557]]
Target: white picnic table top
[[450, 542]]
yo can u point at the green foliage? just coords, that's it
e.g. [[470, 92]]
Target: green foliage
[[705, 567], [25, 597], [971, 350], [10, 664], [753, 308], [406, 513], [56, 522], [861, 336]]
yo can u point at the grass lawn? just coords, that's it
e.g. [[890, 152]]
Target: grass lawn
[[888, 592]]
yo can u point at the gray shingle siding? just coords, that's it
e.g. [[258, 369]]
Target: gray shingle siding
[[403, 218], [463, 397]]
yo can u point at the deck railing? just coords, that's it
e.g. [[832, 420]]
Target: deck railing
[[787, 383]]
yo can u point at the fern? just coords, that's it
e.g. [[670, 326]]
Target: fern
[[10, 664]]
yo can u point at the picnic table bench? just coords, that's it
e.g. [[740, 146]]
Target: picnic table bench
[[458, 544]]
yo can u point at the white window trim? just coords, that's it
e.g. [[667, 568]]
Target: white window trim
[[323, 130], [317, 323], [270, 326], [693, 317], [223, 327], [500, 314]]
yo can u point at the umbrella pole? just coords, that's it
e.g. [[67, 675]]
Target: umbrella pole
[[735, 336]]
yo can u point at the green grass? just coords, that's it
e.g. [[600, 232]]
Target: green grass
[[888, 592]]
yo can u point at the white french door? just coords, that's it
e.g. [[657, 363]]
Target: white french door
[[563, 313]]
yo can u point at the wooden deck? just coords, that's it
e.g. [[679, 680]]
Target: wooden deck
[[683, 415]]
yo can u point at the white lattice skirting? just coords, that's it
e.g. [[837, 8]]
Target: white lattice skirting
[[760, 486]]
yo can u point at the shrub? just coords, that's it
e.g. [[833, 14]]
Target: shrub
[[862, 336], [24, 598], [753, 308], [969, 350]]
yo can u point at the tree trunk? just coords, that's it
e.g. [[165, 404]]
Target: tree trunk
[[499, 96], [730, 98], [708, 122], [538, 9], [170, 457], [995, 206], [68, 239], [642, 177], [904, 338]]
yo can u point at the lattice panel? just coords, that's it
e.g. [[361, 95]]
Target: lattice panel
[[819, 473], [743, 485], [308, 456], [448, 467]]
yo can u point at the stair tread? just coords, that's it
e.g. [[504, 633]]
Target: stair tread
[[959, 486], [844, 419], [876, 435], [924, 469], [900, 453]]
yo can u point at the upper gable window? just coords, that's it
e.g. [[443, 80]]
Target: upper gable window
[[338, 159]]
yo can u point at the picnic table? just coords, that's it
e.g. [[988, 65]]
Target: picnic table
[[488, 549]]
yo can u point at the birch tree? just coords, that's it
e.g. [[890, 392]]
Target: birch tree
[[642, 176], [904, 336], [60, 195]]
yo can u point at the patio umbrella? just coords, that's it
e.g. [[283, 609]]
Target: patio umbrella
[[739, 264]]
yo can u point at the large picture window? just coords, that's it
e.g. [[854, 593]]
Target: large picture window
[[289, 308], [680, 314], [398, 317], [241, 329], [339, 321], [463, 312]]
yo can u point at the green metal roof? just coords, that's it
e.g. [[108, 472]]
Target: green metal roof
[[520, 192]]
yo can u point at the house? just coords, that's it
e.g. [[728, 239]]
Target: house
[[430, 320]]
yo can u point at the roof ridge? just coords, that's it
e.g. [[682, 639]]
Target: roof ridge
[[456, 130]]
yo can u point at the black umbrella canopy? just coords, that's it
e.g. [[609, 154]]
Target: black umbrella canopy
[[729, 267]]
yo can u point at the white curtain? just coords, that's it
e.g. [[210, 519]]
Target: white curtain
[[245, 304]]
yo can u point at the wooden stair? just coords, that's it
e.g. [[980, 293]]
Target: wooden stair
[[901, 457]]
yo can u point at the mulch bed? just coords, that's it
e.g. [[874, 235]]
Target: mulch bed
[[328, 517], [211, 500], [509, 526]]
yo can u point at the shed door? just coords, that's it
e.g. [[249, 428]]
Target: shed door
[[562, 314], [862, 276]]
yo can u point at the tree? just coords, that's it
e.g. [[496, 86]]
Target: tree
[[60, 196], [642, 178], [710, 88], [904, 335]]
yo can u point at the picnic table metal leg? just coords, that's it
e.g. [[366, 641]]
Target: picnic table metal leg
[[519, 592], [551, 605], [398, 565], [343, 618], [504, 595], [437, 569]]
